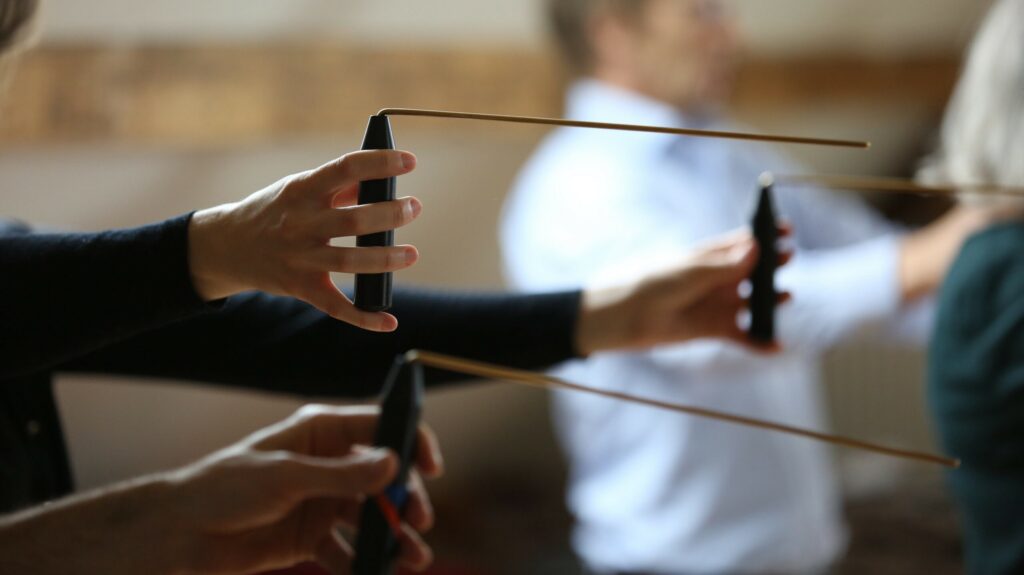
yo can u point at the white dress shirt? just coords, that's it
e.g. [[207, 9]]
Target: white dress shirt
[[658, 491]]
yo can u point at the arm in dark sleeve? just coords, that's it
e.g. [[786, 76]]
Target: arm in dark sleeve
[[62, 295], [283, 345]]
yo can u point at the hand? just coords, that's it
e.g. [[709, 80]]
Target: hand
[[278, 239], [270, 501], [699, 298], [926, 254]]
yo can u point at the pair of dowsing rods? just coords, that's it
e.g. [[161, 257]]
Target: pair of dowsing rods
[[491, 371], [862, 183]]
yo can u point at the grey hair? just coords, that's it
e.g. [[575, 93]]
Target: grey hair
[[983, 129]]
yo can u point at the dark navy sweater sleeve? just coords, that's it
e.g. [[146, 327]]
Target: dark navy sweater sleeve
[[283, 345], [63, 295], [122, 302]]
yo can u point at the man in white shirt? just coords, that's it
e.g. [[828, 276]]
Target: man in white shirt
[[653, 491]]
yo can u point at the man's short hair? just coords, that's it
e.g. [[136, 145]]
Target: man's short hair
[[569, 21]]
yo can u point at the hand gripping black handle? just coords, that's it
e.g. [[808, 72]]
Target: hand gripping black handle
[[373, 291]]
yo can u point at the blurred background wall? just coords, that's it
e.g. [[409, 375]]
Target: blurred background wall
[[133, 111]]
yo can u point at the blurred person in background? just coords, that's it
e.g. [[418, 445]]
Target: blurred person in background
[[190, 298], [976, 359], [652, 492]]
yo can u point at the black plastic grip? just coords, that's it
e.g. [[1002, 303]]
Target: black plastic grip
[[401, 406], [373, 291], [763, 295]]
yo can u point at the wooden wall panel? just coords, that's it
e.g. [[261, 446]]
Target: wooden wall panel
[[217, 96]]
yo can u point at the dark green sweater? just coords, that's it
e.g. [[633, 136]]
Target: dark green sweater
[[976, 390]]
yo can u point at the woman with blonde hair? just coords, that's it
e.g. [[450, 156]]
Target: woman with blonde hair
[[976, 359]]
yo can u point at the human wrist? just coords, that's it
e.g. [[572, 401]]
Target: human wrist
[[208, 259], [604, 322]]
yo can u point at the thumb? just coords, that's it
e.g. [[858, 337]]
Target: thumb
[[734, 264], [363, 473]]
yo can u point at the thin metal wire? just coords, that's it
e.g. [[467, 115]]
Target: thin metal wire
[[624, 127], [894, 185], [491, 371]]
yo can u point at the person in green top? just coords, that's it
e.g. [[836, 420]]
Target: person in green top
[[976, 357]]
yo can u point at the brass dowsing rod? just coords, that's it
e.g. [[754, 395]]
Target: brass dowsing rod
[[894, 185], [623, 127], [491, 371]]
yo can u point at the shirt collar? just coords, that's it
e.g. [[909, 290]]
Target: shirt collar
[[596, 101]]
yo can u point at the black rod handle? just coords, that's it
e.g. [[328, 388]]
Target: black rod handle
[[763, 295], [402, 403], [373, 291]]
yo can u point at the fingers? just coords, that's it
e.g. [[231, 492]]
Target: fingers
[[355, 167], [727, 264], [429, 460], [785, 228], [739, 335], [365, 260], [332, 431], [784, 258], [335, 430], [299, 477], [335, 555], [290, 539], [369, 218], [326, 297], [414, 552], [419, 512], [726, 242]]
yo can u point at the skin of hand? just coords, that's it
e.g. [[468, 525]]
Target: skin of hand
[[697, 298], [270, 501], [277, 240], [925, 255]]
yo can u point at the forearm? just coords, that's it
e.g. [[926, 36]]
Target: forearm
[[838, 292], [283, 345], [66, 294], [927, 254], [112, 531]]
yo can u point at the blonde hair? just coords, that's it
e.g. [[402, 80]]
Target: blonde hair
[[983, 129], [569, 22]]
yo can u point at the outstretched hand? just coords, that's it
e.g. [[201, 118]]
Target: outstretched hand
[[277, 240], [698, 298], [272, 500]]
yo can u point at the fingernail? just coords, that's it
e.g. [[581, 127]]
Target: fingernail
[[410, 255], [408, 161], [438, 458], [743, 249], [412, 208], [375, 455]]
